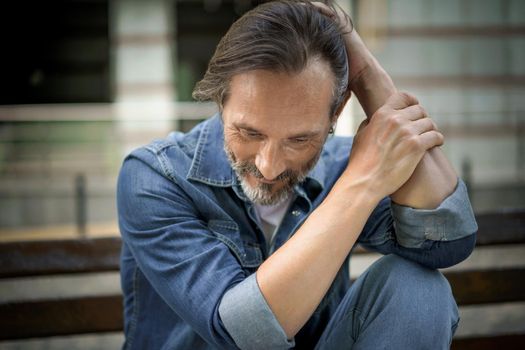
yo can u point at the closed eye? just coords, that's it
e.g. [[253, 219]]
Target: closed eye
[[300, 139], [250, 134]]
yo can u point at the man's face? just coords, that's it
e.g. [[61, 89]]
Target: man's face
[[275, 125]]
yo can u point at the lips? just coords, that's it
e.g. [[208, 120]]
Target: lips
[[264, 181]]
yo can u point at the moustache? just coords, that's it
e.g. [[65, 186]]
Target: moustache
[[249, 168]]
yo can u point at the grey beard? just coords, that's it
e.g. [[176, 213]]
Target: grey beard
[[262, 193]]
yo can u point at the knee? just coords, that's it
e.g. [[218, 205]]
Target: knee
[[397, 298], [403, 274], [415, 290]]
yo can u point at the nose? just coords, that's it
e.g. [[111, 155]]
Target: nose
[[270, 161]]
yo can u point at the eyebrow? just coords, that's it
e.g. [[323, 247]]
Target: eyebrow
[[241, 125]]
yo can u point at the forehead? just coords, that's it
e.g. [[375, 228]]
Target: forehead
[[281, 101]]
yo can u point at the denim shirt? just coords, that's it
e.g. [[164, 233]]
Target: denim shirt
[[192, 243]]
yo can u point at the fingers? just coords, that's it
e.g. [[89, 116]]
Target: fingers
[[421, 126], [419, 144], [431, 139], [402, 120], [335, 12], [413, 112], [418, 126], [402, 106], [323, 8]]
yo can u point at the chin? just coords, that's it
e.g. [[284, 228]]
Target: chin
[[264, 194]]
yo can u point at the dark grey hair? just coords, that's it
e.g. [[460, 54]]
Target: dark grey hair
[[280, 36]]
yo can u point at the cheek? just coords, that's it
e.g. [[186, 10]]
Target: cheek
[[242, 150], [307, 158], [298, 159], [306, 154]]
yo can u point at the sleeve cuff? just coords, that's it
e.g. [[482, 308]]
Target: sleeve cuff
[[452, 220], [249, 320]]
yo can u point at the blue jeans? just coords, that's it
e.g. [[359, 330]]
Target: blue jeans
[[395, 304]]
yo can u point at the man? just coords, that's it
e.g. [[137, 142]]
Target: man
[[237, 234]]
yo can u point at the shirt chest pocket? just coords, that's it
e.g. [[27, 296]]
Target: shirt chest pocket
[[248, 254]]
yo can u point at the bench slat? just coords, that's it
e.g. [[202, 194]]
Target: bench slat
[[35, 258], [501, 228], [46, 318], [104, 314], [501, 342], [487, 286]]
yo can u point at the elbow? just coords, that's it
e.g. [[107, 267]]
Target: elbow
[[450, 253], [249, 320]]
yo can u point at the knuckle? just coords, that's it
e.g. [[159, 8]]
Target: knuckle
[[421, 111], [408, 98], [424, 111], [413, 143], [395, 120], [405, 131]]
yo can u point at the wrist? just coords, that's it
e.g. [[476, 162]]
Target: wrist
[[350, 192]]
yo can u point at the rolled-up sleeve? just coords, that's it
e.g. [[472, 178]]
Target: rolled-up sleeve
[[249, 320], [435, 238], [452, 220]]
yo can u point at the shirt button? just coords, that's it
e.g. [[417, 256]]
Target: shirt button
[[296, 213]]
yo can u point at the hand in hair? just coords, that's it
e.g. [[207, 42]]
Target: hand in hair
[[366, 78], [360, 58]]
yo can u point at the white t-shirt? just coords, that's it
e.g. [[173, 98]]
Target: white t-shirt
[[271, 217]]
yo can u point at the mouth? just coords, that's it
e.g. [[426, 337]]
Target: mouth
[[263, 180]]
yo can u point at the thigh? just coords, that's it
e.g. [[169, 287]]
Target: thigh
[[395, 303], [343, 327]]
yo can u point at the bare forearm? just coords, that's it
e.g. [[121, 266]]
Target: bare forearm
[[372, 87], [434, 178], [297, 276]]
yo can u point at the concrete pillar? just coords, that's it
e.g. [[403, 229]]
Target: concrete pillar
[[143, 56]]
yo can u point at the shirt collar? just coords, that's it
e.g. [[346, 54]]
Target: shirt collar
[[211, 165]]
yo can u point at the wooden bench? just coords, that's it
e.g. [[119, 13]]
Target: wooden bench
[[103, 313]]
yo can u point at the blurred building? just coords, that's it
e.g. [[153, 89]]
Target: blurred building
[[84, 82]]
